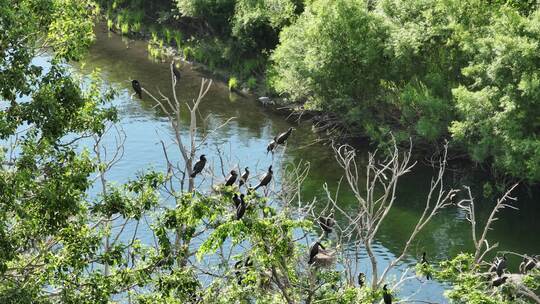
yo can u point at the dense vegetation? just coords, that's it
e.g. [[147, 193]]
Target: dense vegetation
[[59, 244], [429, 69], [434, 70]]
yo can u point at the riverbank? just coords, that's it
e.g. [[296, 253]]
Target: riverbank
[[244, 141], [377, 87]]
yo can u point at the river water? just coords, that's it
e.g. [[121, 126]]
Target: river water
[[244, 143]]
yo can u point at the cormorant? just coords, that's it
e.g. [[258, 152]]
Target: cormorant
[[199, 166], [281, 138], [501, 266], [387, 297], [498, 281], [314, 251], [176, 72], [266, 178], [493, 267], [240, 210], [236, 200], [137, 87], [523, 265], [424, 261], [231, 179], [271, 146], [244, 177], [327, 223], [361, 277], [530, 265]]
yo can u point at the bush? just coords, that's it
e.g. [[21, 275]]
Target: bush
[[334, 54]]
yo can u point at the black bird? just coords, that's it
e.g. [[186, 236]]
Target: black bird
[[387, 297], [236, 200], [501, 266], [281, 138], [241, 209], [361, 277], [523, 265], [176, 72], [424, 261], [271, 146], [530, 265], [266, 178], [498, 281], [199, 166], [327, 223], [231, 179], [314, 251], [244, 177], [137, 87], [493, 267]]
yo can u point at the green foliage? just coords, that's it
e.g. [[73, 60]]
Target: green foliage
[[233, 83], [499, 112], [256, 24], [471, 284], [422, 68], [318, 57], [251, 83], [216, 12]]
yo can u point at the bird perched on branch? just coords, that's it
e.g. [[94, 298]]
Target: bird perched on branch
[[244, 177], [425, 262], [314, 250], [266, 178], [498, 265], [241, 209], [387, 297], [231, 178], [501, 265], [137, 87], [326, 223], [319, 256], [361, 278], [531, 264], [282, 138], [199, 166], [236, 200], [271, 146], [523, 264]]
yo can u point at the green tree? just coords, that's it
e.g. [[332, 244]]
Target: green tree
[[334, 55], [499, 111]]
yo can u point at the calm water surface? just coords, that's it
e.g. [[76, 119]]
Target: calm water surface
[[244, 143]]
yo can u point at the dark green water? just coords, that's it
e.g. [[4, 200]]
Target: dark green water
[[244, 142]]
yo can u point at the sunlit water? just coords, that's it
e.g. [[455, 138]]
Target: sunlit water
[[244, 140]]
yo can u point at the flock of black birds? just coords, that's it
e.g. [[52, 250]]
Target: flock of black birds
[[326, 223], [238, 200], [500, 265]]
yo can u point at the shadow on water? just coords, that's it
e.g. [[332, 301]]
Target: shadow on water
[[245, 141]]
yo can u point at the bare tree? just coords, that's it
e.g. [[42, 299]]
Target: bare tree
[[172, 109], [468, 205], [376, 197]]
